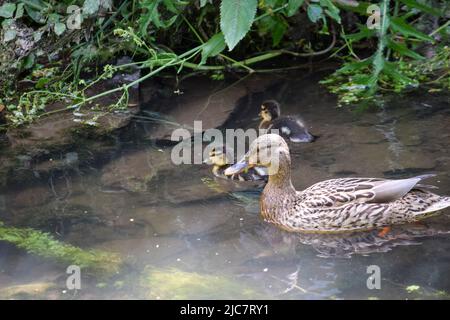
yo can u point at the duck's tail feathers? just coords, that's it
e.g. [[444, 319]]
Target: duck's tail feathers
[[425, 176], [421, 186]]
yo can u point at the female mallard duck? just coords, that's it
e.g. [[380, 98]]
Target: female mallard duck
[[348, 204], [289, 127], [220, 157]]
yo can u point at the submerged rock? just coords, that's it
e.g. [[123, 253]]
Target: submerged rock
[[133, 171], [177, 284], [27, 291]]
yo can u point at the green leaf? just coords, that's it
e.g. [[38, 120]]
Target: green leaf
[[359, 7], [213, 47], [331, 10], [315, 12], [151, 15], [363, 33], [29, 61], [54, 18], [59, 28], [354, 66], [364, 80], [34, 14], [9, 35], [203, 3], [422, 7], [91, 7], [399, 25], [41, 83], [20, 10], [170, 6], [278, 30], [403, 49], [7, 10], [236, 18], [293, 6]]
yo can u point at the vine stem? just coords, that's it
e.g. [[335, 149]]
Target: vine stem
[[379, 55]]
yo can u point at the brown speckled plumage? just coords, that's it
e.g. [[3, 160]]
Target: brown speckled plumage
[[336, 205]]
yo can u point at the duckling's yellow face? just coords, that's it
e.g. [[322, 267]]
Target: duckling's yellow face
[[270, 110], [268, 150], [217, 158], [265, 114]]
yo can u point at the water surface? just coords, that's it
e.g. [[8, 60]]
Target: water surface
[[185, 235]]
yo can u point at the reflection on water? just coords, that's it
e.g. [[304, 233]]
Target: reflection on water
[[185, 235]]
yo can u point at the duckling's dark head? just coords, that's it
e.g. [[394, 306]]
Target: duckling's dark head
[[270, 109]]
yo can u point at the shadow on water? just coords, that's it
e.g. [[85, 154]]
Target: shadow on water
[[185, 234]]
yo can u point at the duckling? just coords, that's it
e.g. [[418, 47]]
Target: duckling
[[220, 158], [347, 204], [290, 127]]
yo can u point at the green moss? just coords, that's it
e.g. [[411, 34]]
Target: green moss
[[178, 285], [44, 245]]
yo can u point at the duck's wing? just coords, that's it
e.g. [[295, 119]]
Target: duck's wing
[[338, 192]]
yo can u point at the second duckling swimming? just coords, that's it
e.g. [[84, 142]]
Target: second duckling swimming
[[289, 127], [220, 157]]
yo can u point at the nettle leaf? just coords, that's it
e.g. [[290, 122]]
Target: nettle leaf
[[213, 47], [59, 28], [315, 12], [421, 7], [7, 10], [91, 7], [236, 18], [293, 6], [399, 25], [403, 49]]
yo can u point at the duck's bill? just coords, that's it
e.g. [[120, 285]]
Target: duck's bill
[[236, 168]]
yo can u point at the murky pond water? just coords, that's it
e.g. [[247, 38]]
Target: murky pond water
[[183, 234]]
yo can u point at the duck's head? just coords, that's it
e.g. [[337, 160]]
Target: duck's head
[[218, 156], [270, 110], [268, 150]]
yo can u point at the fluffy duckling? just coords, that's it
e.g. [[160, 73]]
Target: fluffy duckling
[[336, 205], [221, 158], [289, 127]]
